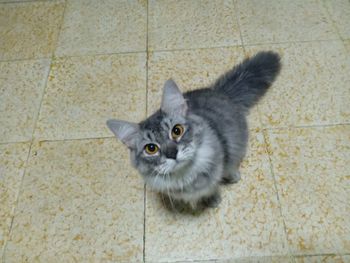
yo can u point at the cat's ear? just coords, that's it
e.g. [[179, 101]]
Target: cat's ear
[[173, 101], [125, 131]]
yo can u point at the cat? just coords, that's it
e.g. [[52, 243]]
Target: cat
[[197, 140]]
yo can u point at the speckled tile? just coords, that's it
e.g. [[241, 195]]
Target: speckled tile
[[310, 166], [191, 69], [100, 27], [83, 92], [340, 13], [80, 202], [12, 161], [346, 258], [281, 21], [11, 1], [21, 87], [29, 30], [321, 259], [192, 24], [247, 223], [347, 46], [313, 87], [274, 259]]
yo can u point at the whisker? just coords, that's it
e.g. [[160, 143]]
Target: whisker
[[167, 187]]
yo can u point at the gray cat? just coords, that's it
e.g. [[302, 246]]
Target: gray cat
[[197, 140]]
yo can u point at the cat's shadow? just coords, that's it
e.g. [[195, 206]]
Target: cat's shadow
[[178, 207]]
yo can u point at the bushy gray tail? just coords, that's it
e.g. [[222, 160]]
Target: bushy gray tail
[[247, 82]]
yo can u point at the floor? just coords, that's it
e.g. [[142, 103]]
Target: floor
[[67, 190]]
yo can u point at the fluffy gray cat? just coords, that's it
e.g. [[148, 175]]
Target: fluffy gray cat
[[197, 140]]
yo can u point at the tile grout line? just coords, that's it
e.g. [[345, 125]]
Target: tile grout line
[[47, 77], [75, 56], [252, 129], [27, 159], [175, 50], [254, 44], [24, 1], [146, 112], [58, 34], [144, 224], [25, 59], [334, 24], [15, 207], [74, 139], [59, 30], [14, 142], [49, 71], [29, 152], [268, 151], [320, 255], [306, 126], [235, 8], [254, 257], [293, 42]]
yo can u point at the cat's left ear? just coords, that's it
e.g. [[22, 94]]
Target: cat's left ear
[[125, 131], [173, 102]]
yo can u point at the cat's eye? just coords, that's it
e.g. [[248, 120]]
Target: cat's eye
[[177, 131], [151, 148]]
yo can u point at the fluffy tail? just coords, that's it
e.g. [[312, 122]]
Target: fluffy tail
[[247, 82]]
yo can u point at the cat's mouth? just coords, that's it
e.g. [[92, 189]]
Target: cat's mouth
[[177, 165]]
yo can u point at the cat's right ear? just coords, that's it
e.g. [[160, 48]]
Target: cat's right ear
[[173, 102], [125, 131]]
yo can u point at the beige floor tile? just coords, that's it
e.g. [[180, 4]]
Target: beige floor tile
[[21, 88], [346, 258], [12, 161], [10, 1], [264, 22], [80, 202], [310, 166], [340, 13], [313, 87], [321, 259], [247, 223], [29, 30], [191, 69], [99, 27], [273, 259], [192, 24], [83, 92], [347, 46]]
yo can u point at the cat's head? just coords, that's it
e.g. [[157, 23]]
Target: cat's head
[[164, 144]]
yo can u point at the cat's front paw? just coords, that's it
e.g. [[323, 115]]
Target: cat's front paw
[[212, 201], [231, 177]]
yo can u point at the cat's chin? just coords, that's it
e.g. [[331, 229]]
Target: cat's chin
[[180, 165], [176, 166]]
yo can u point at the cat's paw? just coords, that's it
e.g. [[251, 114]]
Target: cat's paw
[[212, 201], [231, 177]]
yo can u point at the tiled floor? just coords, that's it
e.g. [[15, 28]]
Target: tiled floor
[[67, 190]]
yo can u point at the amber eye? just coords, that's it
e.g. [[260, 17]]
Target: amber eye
[[151, 148], [177, 131]]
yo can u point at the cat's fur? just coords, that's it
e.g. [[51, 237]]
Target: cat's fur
[[215, 138]]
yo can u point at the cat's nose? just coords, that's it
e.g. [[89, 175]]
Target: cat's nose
[[171, 151]]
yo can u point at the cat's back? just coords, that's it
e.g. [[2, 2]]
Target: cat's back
[[209, 99], [226, 119], [218, 109]]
